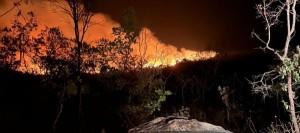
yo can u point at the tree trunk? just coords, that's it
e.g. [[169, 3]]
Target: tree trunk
[[79, 44], [292, 104]]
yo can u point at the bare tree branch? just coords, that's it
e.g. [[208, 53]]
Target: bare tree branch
[[263, 83], [81, 18], [15, 5]]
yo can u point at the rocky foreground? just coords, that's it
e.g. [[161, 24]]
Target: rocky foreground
[[172, 123]]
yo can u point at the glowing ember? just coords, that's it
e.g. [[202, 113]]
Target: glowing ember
[[204, 55]]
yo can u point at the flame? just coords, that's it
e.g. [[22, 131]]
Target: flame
[[159, 54], [148, 47]]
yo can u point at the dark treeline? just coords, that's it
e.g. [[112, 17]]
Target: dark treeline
[[50, 51], [116, 101], [39, 84]]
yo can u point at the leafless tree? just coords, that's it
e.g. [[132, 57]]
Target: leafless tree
[[80, 17], [271, 11], [142, 42]]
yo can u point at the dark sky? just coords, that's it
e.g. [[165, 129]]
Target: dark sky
[[194, 24]]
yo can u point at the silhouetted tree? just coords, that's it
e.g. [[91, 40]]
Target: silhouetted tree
[[15, 5], [142, 42], [17, 40], [107, 54], [125, 38], [52, 52], [8, 52], [118, 52], [80, 17], [90, 62]]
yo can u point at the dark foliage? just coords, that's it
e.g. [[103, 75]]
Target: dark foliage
[[30, 102]]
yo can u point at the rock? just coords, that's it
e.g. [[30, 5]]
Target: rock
[[172, 123]]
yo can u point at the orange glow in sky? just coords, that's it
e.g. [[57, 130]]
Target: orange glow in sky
[[149, 46], [160, 54]]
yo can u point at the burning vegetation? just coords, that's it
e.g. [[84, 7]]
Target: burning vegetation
[[27, 46], [73, 70]]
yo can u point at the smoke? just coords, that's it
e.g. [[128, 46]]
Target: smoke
[[150, 47], [47, 16], [157, 53]]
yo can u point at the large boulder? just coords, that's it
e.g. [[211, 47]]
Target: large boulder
[[172, 123]]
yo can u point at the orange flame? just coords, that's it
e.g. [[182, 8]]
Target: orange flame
[[160, 54], [149, 48]]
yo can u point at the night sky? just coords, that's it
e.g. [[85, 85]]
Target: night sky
[[193, 24]]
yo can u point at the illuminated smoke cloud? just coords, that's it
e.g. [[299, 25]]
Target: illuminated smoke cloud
[[158, 53], [152, 50]]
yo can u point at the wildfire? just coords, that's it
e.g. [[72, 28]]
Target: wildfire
[[148, 49], [172, 59], [160, 54]]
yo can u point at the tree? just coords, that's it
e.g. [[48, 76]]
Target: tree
[[8, 53], [107, 53], [15, 5], [142, 42], [90, 63], [80, 17], [124, 39], [52, 52], [17, 40], [118, 52], [287, 72], [54, 56]]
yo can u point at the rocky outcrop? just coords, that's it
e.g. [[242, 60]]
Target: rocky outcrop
[[173, 123]]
